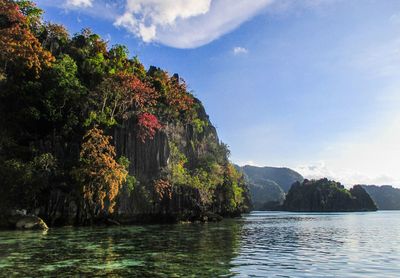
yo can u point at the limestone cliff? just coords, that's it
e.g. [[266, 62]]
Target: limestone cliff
[[152, 159], [88, 134]]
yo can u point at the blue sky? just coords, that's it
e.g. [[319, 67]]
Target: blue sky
[[312, 85]]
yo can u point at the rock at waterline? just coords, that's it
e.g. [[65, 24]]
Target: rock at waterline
[[31, 223]]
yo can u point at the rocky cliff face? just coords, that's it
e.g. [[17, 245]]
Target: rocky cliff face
[[150, 159], [199, 190]]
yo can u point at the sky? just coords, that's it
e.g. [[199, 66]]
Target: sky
[[313, 85]]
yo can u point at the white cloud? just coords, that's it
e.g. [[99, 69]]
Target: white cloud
[[79, 3], [180, 23], [239, 50], [315, 171], [186, 23], [248, 162], [347, 176], [144, 17]]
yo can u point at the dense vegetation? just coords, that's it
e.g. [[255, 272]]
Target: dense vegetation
[[268, 185], [86, 132], [265, 195], [327, 196], [386, 197]]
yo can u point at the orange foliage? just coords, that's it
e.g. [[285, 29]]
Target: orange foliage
[[18, 45], [125, 94], [163, 189], [178, 96], [140, 95], [101, 175], [174, 94]]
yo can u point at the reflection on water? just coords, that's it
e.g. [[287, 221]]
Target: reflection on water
[[320, 245], [260, 245]]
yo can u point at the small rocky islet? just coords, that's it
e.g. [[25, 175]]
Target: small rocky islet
[[327, 196], [273, 188]]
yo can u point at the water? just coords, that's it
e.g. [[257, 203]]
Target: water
[[261, 244]]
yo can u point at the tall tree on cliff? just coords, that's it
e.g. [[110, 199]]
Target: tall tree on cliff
[[99, 175]]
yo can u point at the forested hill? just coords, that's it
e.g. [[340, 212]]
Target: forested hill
[[284, 177], [268, 185], [87, 133], [386, 197]]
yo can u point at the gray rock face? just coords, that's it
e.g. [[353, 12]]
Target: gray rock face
[[149, 162], [149, 158]]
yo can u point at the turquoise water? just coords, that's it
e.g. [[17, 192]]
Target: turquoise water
[[261, 244]]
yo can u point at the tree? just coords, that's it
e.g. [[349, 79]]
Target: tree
[[23, 182], [63, 101], [118, 60], [121, 96], [90, 53], [163, 189], [232, 192], [54, 37], [177, 96], [32, 13], [18, 45], [100, 176], [175, 101], [148, 125]]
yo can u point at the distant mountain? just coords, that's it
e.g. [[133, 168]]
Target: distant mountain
[[266, 194], [284, 177], [386, 197], [267, 185], [327, 196]]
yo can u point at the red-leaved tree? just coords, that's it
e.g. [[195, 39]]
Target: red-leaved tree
[[148, 125]]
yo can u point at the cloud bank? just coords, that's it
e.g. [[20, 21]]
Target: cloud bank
[[178, 23], [186, 23], [145, 18]]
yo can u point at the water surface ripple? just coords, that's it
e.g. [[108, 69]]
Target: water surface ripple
[[261, 244]]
